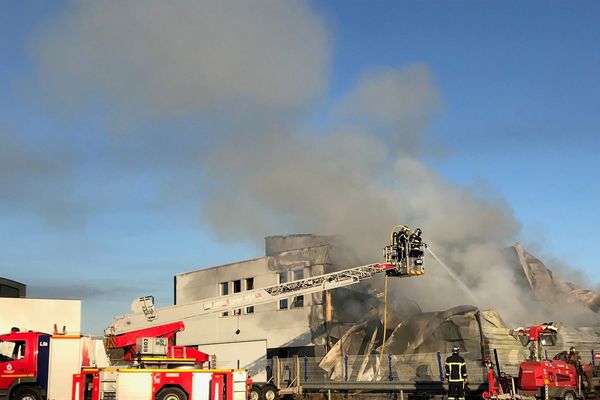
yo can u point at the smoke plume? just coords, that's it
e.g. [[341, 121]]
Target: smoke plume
[[273, 150]]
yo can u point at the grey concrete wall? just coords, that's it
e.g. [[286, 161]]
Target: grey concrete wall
[[294, 327], [276, 244]]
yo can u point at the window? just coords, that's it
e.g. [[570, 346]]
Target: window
[[233, 287], [298, 274], [298, 301], [283, 278], [283, 304], [237, 288], [223, 288], [11, 351], [249, 283], [224, 291]]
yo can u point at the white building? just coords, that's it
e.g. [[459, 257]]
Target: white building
[[301, 325]]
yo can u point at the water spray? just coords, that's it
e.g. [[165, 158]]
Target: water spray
[[464, 287]]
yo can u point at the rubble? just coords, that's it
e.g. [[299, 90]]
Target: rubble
[[414, 344]]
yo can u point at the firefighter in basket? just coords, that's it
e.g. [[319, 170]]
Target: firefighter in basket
[[456, 375]]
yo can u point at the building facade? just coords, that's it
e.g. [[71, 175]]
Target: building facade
[[10, 288], [290, 326]]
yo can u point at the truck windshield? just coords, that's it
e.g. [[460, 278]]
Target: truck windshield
[[10, 351]]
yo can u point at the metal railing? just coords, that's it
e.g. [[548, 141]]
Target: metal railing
[[423, 367], [374, 372]]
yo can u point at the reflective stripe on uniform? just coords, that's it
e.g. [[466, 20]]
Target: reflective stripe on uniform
[[455, 364]]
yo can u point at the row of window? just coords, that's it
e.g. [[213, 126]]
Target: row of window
[[237, 286], [240, 285], [288, 276]]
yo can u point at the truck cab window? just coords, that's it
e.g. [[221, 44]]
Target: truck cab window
[[11, 351]]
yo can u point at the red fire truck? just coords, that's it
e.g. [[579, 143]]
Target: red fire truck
[[38, 366]]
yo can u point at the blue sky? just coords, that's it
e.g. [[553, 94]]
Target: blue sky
[[104, 186]]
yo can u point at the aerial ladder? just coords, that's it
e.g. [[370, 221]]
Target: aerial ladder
[[403, 258]]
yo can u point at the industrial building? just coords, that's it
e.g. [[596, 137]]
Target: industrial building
[[282, 326], [301, 325], [10, 288]]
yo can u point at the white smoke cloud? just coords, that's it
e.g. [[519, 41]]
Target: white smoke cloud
[[164, 59], [398, 102], [251, 72]]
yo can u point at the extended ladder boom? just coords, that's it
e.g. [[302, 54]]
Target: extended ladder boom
[[149, 316], [404, 258]]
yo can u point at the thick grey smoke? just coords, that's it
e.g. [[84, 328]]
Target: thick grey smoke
[[35, 179], [252, 73], [154, 59]]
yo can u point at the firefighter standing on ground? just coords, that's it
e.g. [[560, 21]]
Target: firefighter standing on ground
[[456, 375], [574, 359]]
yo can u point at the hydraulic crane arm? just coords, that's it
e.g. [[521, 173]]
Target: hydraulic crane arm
[[150, 316], [404, 258]]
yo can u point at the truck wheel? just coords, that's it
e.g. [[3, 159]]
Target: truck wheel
[[569, 395], [27, 393], [171, 394], [270, 392], [255, 393]]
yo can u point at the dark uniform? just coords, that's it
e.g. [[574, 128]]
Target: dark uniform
[[574, 359], [456, 375]]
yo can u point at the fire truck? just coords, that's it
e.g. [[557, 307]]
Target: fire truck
[[541, 378], [403, 258], [40, 366]]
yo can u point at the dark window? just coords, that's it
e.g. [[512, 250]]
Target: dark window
[[283, 277], [224, 288], [237, 286], [249, 282], [283, 304], [224, 291], [298, 274], [298, 302]]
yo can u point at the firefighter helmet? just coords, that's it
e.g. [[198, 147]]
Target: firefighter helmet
[[455, 350]]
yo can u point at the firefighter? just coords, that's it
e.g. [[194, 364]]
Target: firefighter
[[456, 375], [574, 359]]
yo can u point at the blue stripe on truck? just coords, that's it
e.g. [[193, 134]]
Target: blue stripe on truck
[[43, 360]]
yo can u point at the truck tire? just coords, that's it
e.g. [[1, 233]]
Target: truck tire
[[255, 393], [172, 393], [569, 395], [269, 392], [28, 393]]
